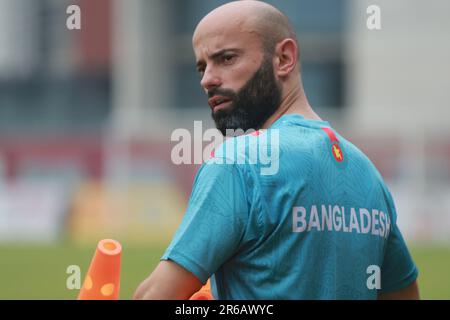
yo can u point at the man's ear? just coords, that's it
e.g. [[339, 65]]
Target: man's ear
[[286, 53]]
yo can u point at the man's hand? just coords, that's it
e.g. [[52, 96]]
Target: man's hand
[[169, 281]]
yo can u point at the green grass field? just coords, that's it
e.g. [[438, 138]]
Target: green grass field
[[40, 272]]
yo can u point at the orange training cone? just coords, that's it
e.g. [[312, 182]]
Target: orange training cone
[[204, 293], [103, 278]]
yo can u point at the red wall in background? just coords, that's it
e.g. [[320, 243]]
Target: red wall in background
[[95, 36], [90, 153]]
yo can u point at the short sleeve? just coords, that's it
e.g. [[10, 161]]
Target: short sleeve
[[214, 223], [398, 270]]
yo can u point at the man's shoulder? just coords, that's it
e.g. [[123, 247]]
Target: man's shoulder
[[359, 156]]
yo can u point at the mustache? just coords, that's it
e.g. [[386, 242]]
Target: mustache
[[222, 92]]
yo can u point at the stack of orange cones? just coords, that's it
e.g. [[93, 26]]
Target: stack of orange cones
[[204, 293], [102, 281]]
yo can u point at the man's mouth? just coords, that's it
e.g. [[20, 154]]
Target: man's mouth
[[222, 105], [219, 103]]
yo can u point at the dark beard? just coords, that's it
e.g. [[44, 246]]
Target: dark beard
[[252, 105]]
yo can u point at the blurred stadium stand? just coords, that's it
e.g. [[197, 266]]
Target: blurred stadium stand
[[86, 116]]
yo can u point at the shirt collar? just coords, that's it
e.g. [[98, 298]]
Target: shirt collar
[[299, 120]]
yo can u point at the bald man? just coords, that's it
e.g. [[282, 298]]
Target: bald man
[[322, 227]]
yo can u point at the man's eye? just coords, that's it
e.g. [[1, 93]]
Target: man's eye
[[228, 58]]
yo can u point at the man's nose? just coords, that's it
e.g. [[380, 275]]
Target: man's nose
[[210, 80]]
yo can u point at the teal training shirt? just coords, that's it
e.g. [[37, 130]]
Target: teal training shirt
[[315, 222]]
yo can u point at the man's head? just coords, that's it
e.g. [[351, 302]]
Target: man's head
[[247, 55]]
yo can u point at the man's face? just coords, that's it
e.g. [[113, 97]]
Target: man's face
[[237, 77]]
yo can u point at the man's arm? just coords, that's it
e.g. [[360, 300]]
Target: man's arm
[[169, 281], [411, 292], [209, 234]]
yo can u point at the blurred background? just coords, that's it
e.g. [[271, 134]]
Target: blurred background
[[86, 118]]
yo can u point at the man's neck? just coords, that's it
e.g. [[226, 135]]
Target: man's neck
[[294, 102]]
